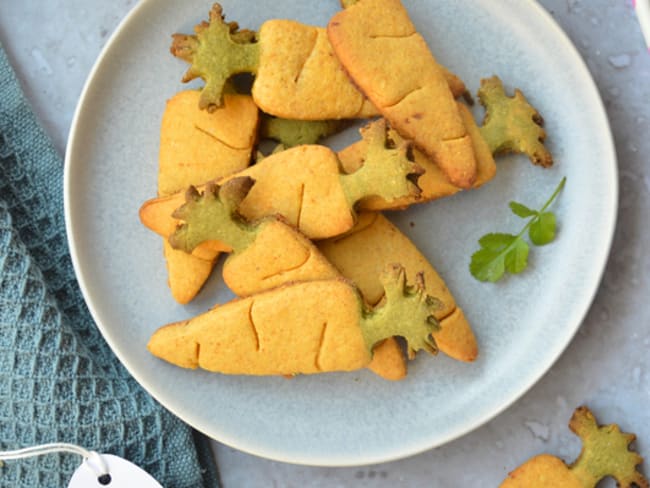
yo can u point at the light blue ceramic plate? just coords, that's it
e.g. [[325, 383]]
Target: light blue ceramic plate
[[523, 323]]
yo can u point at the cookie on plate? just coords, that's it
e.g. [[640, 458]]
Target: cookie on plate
[[196, 146], [390, 62]]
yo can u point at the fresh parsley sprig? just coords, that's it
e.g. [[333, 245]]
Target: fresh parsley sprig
[[507, 252]]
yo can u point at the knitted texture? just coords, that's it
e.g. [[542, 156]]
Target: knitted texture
[[59, 380]]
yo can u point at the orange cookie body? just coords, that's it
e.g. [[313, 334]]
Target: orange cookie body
[[305, 328], [303, 185], [197, 146], [278, 255], [300, 78], [542, 471], [389, 61]]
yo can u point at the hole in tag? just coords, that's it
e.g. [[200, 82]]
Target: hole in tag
[[105, 479]]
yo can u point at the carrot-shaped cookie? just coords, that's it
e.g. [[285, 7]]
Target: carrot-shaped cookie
[[364, 251], [264, 254], [297, 75], [302, 328], [605, 452], [196, 146], [390, 62], [305, 185], [511, 124]]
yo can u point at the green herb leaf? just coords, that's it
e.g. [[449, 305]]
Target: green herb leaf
[[502, 252], [542, 230], [496, 242], [487, 265], [521, 210], [517, 257], [489, 262]]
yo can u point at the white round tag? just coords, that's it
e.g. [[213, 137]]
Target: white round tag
[[121, 474]]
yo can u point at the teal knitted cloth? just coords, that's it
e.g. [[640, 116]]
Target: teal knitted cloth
[[59, 381]]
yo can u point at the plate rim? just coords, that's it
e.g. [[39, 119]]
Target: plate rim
[[416, 448]]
